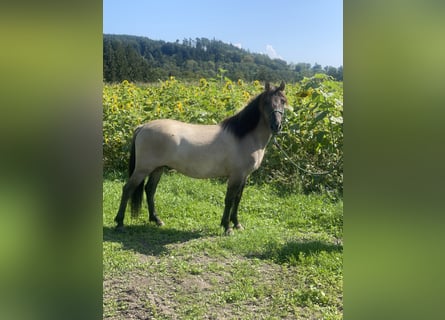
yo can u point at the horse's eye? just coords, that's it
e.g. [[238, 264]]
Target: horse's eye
[[283, 101]]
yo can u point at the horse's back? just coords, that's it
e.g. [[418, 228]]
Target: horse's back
[[172, 132]]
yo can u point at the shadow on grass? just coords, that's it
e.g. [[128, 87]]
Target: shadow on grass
[[292, 251], [148, 239]]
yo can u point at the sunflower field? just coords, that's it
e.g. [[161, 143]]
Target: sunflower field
[[310, 156]]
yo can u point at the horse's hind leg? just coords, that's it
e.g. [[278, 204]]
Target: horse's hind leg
[[150, 190], [127, 191]]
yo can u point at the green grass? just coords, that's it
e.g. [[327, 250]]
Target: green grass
[[287, 263]]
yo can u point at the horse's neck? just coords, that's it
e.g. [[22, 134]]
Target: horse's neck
[[261, 135], [255, 144]]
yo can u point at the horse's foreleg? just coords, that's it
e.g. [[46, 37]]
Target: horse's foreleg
[[234, 214], [150, 190], [233, 189]]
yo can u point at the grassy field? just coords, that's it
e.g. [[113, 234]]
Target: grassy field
[[286, 264]]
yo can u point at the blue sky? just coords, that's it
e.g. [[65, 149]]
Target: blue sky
[[308, 31]]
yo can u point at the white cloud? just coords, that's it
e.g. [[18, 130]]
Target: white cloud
[[238, 45], [270, 51]]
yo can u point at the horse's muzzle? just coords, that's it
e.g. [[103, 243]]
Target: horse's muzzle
[[276, 127], [275, 121]]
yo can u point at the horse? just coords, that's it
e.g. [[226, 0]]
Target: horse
[[232, 149]]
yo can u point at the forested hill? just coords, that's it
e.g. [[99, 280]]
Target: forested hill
[[142, 59]]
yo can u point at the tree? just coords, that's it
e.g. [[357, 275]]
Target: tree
[[317, 68], [142, 59]]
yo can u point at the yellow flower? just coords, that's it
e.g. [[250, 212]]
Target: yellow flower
[[203, 82], [228, 85], [179, 106]]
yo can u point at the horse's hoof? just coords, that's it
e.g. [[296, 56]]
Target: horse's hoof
[[239, 227], [157, 221], [120, 229], [160, 223], [228, 232]]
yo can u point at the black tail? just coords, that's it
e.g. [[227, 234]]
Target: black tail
[[136, 197]]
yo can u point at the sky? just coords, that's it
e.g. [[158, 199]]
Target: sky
[[309, 31]]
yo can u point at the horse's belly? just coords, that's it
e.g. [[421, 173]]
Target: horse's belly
[[201, 174], [200, 166]]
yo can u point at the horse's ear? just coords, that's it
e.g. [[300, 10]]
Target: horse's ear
[[282, 85], [267, 86]]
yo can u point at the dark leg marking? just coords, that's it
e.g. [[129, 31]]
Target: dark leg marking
[[127, 191], [150, 190], [234, 215], [233, 196]]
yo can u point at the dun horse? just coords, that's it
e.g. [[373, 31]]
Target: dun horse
[[234, 148]]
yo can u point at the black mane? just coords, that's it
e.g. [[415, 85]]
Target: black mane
[[244, 121]]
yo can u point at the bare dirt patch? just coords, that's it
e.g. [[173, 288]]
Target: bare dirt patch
[[203, 288]]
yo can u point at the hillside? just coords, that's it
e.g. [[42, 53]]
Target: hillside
[[142, 59]]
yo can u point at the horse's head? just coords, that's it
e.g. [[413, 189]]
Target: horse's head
[[274, 102]]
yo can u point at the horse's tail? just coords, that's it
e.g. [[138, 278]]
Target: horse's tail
[[136, 197]]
